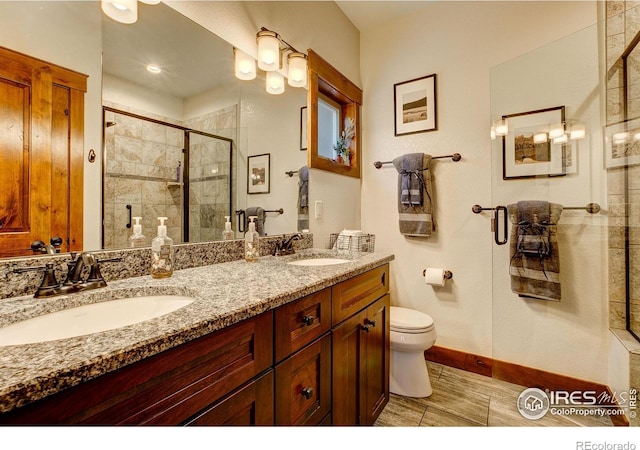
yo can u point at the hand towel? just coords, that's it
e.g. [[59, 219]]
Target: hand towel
[[303, 198], [260, 218], [535, 259], [414, 208]]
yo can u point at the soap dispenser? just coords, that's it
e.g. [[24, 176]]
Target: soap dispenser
[[137, 238], [251, 242], [162, 252], [227, 234]]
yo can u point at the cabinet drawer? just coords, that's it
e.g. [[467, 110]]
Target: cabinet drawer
[[301, 322], [167, 388], [303, 385], [350, 296], [250, 405]]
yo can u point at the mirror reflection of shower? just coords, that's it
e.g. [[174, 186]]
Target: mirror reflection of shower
[[156, 169]]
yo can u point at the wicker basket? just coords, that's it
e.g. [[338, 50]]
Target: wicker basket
[[359, 243]]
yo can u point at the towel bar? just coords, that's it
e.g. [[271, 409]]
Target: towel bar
[[591, 208], [291, 173], [279, 211], [455, 157]]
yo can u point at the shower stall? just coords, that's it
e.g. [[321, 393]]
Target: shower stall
[[153, 168]]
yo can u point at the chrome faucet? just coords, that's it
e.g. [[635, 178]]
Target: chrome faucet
[[285, 246]]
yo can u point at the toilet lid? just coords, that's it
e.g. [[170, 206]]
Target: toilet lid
[[409, 319]]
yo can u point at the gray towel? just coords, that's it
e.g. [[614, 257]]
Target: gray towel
[[260, 218], [303, 198], [414, 208], [535, 257]]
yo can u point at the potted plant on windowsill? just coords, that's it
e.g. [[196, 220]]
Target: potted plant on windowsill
[[343, 153]]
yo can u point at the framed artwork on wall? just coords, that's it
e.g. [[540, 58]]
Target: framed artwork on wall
[[529, 148], [259, 174], [415, 105], [622, 144], [303, 128]]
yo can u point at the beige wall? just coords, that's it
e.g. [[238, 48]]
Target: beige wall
[[461, 42]]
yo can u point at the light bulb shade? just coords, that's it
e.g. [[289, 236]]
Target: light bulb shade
[[493, 133], [268, 51], [297, 73], [539, 138], [556, 130], [123, 11], [562, 139], [275, 83], [577, 131], [150, 2], [245, 65], [502, 127], [620, 138]]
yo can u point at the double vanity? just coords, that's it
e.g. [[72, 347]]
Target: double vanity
[[300, 339]]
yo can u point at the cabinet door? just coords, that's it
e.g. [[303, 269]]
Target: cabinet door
[[41, 146], [303, 385], [354, 294], [375, 361], [346, 354], [249, 405]]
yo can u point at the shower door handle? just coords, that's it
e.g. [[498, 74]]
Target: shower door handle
[[496, 226], [130, 214]]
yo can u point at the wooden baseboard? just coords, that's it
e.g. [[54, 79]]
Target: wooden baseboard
[[517, 374]]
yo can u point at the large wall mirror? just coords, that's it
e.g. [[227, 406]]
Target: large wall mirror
[[143, 121]]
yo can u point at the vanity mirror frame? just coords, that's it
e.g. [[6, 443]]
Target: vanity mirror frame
[[325, 80]]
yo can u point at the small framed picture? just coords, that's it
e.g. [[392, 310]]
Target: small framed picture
[[622, 144], [303, 128], [259, 174], [415, 105], [528, 148]]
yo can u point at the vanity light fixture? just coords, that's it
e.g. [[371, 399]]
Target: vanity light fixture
[[502, 127], [123, 11], [271, 49], [245, 65], [556, 130], [562, 139], [150, 2], [577, 131], [540, 138]]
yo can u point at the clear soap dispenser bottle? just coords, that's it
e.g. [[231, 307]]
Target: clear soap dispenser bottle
[[227, 234], [137, 239], [251, 242], [162, 252]]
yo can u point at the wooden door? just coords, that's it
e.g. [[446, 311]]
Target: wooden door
[[374, 375], [41, 153]]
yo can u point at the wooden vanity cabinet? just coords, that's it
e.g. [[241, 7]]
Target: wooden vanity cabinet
[[360, 348]]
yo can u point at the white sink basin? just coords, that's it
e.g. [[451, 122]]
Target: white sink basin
[[319, 261], [88, 319]]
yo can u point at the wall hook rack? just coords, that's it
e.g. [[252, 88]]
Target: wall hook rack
[[455, 158]]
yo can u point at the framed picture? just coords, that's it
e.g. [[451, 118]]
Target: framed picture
[[259, 174], [525, 154], [303, 128], [622, 144], [415, 105]]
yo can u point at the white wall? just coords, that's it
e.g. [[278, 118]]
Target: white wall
[[460, 42], [67, 34]]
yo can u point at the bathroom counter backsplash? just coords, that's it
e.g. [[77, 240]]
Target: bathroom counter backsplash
[[135, 262], [225, 293]]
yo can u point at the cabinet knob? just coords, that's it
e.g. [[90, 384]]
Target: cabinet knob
[[307, 392], [366, 327], [307, 320], [370, 322]]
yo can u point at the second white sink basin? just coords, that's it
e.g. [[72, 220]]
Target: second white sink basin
[[319, 261], [93, 318]]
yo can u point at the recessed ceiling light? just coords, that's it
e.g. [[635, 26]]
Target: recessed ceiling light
[[153, 69]]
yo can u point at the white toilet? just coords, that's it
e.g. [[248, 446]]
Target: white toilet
[[412, 332]]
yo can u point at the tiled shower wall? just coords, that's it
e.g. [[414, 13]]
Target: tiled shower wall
[[142, 160], [622, 24]]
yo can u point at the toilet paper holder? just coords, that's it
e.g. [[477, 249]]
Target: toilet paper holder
[[447, 274]]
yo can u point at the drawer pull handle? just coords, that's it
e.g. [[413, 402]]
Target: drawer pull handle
[[307, 320], [307, 393], [366, 327]]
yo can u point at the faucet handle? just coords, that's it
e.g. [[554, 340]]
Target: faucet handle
[[49, 284], [94, 275]]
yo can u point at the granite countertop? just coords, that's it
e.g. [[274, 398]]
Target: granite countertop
[[224, 294]]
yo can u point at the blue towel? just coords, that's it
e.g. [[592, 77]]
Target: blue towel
[[414, 194], [412, 182]]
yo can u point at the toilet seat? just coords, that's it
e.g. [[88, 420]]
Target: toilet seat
[[405, 320]]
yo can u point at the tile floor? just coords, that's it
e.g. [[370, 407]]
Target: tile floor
[[466, 399]]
